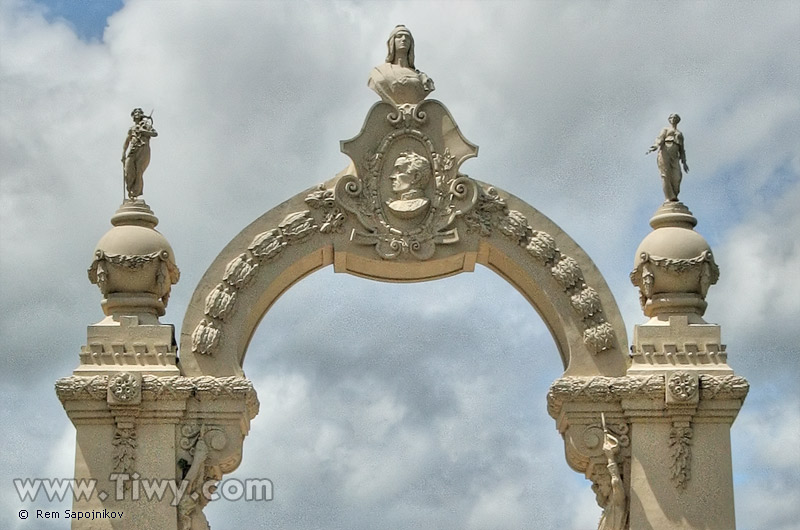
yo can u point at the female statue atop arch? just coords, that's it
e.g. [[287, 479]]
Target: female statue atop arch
[[136, 152], [397, 81], [671, 154]]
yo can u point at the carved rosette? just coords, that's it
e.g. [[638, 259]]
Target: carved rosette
[[683, 387], [125, 388]]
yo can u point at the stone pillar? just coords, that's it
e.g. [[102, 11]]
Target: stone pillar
[[656, 442], [153, 442], [681, 476]]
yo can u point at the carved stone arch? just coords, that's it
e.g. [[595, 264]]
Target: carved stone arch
[[313, 230]]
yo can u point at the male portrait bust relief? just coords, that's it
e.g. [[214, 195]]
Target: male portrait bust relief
[[411, 174]]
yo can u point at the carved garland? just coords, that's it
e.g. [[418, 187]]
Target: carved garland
[[489, 212], [220, 303], [643, 276], [492, 212], [168, 273]]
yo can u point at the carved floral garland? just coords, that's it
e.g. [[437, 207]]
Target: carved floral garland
[[296, 227], [492, 211], [489, 212]]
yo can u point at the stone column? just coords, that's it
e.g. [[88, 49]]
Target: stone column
[[153, 442], [681, 476]]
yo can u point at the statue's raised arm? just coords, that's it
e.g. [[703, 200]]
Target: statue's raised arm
[[136, 152], [397, 81], [671, 155]]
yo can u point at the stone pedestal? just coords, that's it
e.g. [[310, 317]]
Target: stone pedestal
[[155, 446], [151, 444], [681, 475]]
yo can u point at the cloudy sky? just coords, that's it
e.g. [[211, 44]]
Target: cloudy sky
[[402, 406]]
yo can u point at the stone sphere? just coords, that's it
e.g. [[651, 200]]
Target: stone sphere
[[134, 265], [672, 242], [132, 240], [678, 246]]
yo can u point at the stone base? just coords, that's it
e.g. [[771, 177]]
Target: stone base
[[665, 345], [127, 345]]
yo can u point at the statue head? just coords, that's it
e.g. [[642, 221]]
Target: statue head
[[400, 41], [411, 172], [137, 114], [674, 119]]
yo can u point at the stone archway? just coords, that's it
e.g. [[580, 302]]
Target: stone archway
[[402, 212], [493, 228], [344, 222]]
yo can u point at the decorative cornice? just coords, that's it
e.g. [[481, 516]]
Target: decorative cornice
[[599, 389], [154, 388]]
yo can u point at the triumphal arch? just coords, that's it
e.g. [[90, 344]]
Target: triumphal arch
[[647, 424]]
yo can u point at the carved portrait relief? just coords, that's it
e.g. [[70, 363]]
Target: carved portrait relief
[[410, 179]]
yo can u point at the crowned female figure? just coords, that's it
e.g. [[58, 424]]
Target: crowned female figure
[[397, 81]]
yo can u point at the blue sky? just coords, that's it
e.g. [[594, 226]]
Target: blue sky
[[252, 99], [87, 17]]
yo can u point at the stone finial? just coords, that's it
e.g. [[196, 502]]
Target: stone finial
[[674, 266], [671, 155], [397, 81], [134, 265], [136, 152]]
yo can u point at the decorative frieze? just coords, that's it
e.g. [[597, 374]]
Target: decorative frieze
[[155, 388], [599, 389]]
